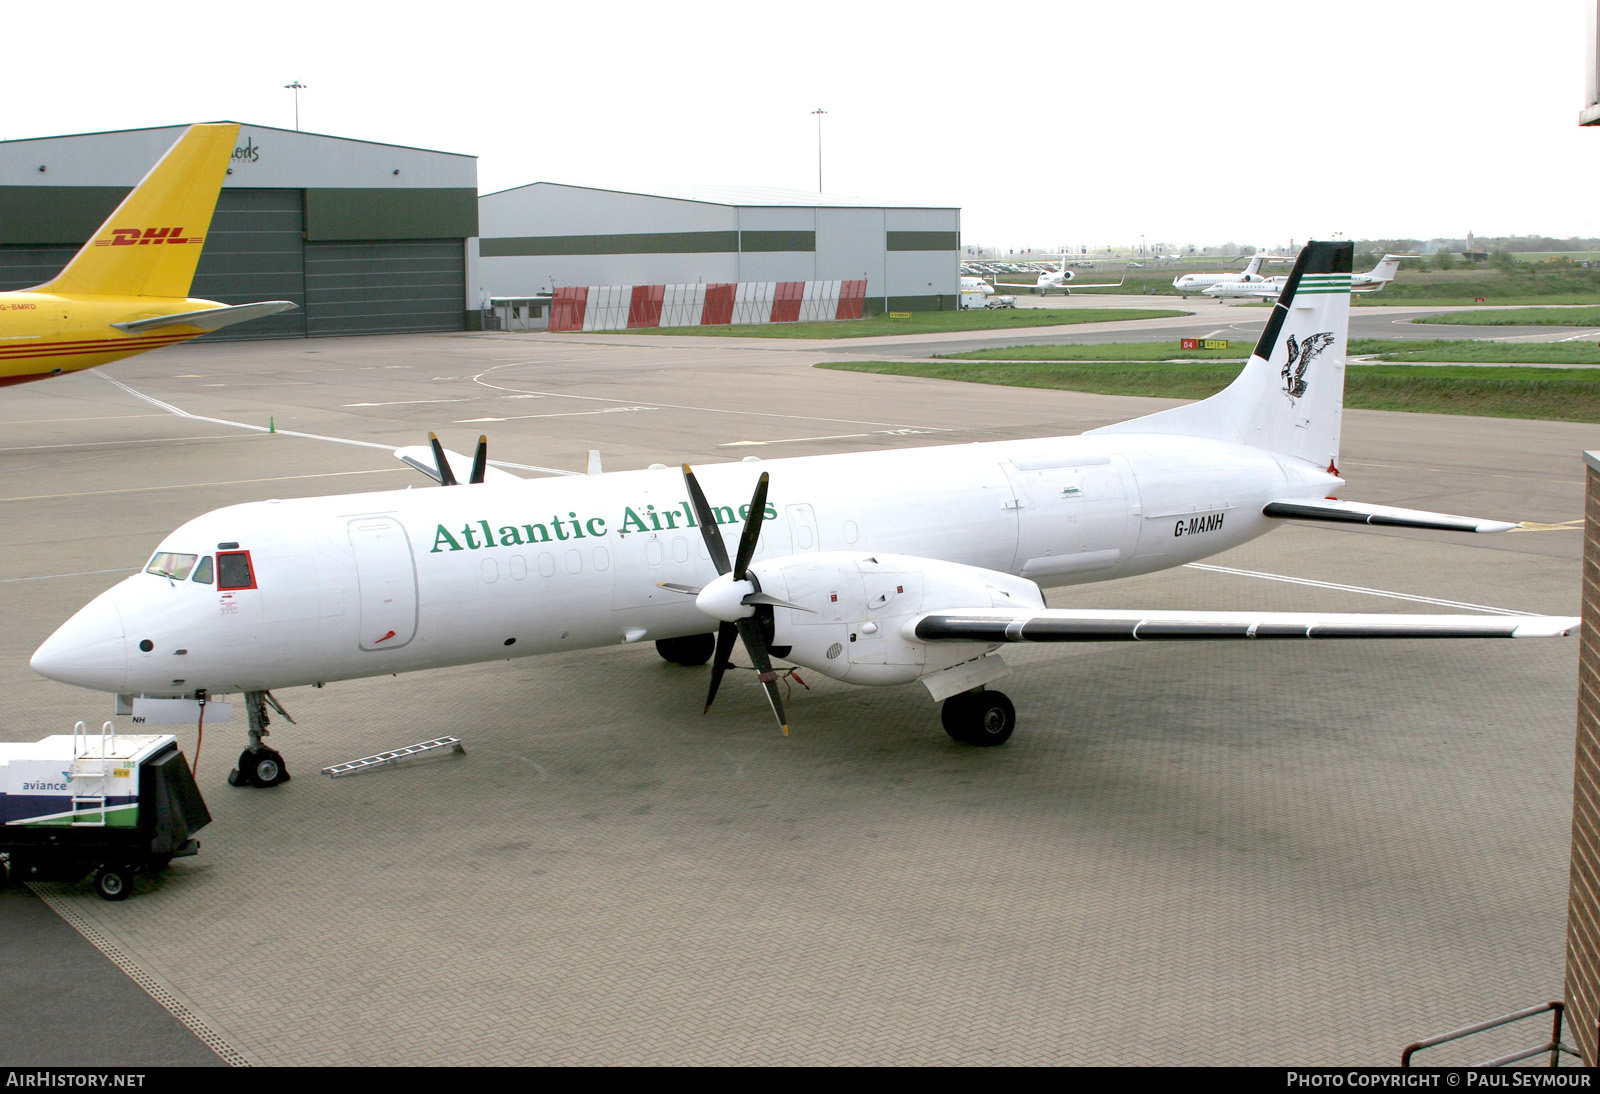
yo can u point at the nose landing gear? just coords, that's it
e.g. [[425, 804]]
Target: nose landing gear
[[259, 765]]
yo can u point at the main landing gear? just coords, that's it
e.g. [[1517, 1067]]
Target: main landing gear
[[258, 764], [690, 650], [979, 717]]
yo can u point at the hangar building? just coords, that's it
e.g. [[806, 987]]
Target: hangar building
[[539, 237], [367, 238]]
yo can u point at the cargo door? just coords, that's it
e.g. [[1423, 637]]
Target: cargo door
[[1072, 518], [387, 576]]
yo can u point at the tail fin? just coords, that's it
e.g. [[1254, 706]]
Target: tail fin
[[150, 245], [1253, 267], [1386, 269], [1290, 397]]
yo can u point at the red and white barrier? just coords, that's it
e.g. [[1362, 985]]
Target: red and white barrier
[[641, 307]]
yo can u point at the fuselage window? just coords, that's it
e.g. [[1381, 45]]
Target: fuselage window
[[171, 564], [519, 567], [547, 564], [574, 562], [233, 570], [602, 558], [202, 572]]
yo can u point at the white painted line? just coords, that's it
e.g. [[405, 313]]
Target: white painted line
[[77, 573], [170, 409], [561, 414], [834, 437], [1355, 589], [479, 379], [408, 402]]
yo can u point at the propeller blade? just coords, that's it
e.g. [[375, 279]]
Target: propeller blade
[[447, 477], [719, 661], [708, 525], [768, 598], [752, 528], [756, 646], [688, 590], [480, 459]]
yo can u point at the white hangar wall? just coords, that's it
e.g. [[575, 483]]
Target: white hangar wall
[[537, 238]]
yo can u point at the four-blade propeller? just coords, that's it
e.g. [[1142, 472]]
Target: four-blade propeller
[[734, 597]]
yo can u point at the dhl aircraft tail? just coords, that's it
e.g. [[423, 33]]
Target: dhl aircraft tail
[[150, 245]]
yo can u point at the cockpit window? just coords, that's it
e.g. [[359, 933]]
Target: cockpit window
[[171, 564], [233, 570], [202, 572]]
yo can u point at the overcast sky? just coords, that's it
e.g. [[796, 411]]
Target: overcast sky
[[1048, 124]]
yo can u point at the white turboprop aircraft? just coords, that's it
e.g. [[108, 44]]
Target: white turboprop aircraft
[[873, 568], [1268, 288], [1057, 279]]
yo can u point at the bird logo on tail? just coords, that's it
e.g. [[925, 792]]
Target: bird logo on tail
[[1301, 354]]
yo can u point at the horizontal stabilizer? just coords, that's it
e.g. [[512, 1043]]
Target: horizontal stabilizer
[[420, 456], [209, 318], [1355, 512], [1088, 625]]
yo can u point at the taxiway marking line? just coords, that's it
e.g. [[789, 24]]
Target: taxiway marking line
[[407, 402], [77, 573], [180, 412], [479, 379], [833, 437], [1389, 593], [557, 414], [110, 444], [196, 485]]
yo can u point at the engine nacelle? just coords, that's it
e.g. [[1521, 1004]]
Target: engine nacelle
[[862, 602]]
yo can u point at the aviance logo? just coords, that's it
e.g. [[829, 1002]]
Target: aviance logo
[[134, 237], [45, 785]]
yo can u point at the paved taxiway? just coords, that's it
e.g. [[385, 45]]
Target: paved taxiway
[[1189, 853]]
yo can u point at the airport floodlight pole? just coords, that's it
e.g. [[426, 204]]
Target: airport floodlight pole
[[296, 87], [819, 112]]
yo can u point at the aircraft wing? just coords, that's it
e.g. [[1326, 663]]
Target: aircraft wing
[[1092, 625], [209, 318], [1355, 512]]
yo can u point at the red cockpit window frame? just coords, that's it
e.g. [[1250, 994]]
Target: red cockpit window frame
[[247, 561]]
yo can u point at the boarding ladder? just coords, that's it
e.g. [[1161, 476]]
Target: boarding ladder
[[366, 763], [89, 780]]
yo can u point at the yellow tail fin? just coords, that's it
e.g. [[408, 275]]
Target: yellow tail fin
[[150, 245]]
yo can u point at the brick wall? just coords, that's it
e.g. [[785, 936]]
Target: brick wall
[[1583, 902]]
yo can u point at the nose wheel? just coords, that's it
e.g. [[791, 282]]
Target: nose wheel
[[982, 717], [259, 765]]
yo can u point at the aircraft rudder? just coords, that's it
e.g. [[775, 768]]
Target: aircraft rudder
[[151, 243]]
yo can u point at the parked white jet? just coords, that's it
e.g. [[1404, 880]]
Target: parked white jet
[[1057, 279], [1269, 288], [1200, 282], [874, 568]]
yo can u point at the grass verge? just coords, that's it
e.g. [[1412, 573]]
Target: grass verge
[[1518, 317], [1398, 351], [1570, 395], [933, 322]]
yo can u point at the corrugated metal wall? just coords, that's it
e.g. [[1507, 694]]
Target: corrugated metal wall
[[253, 251], [385, 287]]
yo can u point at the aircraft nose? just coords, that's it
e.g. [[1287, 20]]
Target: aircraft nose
[[89, 650]]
